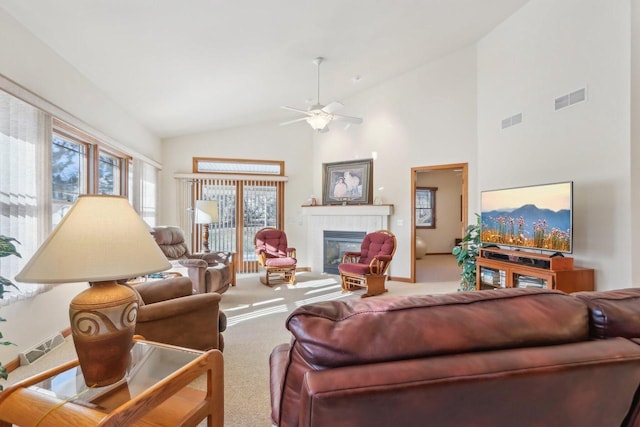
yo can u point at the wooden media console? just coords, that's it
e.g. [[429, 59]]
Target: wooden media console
[[502, 268]]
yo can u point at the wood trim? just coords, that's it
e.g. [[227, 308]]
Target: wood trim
[[465, 203]]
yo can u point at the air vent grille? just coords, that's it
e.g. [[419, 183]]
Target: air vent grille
[[36, 352], [570, 99], [512, 121]]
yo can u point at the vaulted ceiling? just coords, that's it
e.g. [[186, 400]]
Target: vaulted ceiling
[[181, 67]]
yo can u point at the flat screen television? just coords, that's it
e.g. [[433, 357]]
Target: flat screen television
[[536, 217]]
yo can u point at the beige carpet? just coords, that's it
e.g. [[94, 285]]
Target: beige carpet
[[256, 317]]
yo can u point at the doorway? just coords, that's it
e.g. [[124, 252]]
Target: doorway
[[440, 219]]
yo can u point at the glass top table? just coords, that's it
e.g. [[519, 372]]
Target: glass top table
[[164, 385], [149, 365]]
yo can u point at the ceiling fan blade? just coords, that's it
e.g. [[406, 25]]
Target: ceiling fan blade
[[324, 129], [293, 121], [356, 120], [334, 106], [297, 110]]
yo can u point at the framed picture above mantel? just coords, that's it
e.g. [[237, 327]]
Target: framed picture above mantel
[[347, 183]]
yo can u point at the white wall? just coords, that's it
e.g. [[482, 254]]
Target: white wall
[[634, 18], [32, 64], [422, 118], [29, 63], [545, 50], [266, 141]]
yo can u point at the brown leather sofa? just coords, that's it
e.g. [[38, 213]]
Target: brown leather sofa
[[170, 313], [209, 272], [512, 357]]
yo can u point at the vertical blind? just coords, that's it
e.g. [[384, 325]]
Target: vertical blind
[[244, 206], [23, 215]]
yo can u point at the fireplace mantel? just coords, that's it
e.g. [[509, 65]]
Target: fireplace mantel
[[367, 218], [325, 210]]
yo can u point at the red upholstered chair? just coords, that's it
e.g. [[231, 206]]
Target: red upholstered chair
[[275, 256], [367, 268]]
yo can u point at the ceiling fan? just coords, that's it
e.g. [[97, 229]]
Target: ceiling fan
[[319, 116]]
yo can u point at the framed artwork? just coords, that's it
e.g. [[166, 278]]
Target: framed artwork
[[426, 207], [347, 183]]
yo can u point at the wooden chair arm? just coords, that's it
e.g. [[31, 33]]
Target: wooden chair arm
[[291, 252], [378, 265], [348, 257]]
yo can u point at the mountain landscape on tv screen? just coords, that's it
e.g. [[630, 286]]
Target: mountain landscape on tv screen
[[528, 226]]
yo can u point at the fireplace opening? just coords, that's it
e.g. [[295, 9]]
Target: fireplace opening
[[336, 243]]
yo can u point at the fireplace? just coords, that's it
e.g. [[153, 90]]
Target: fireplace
[[336, 243], [361, 218]]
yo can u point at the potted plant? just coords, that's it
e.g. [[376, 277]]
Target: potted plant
[[7, 248], [466, 252]]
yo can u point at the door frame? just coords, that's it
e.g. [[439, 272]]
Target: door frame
[[464, 191]]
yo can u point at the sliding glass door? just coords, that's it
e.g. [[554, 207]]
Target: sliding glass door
[[244, 207]]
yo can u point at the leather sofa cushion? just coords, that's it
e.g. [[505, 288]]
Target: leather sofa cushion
[[342, 333], [613, 313]]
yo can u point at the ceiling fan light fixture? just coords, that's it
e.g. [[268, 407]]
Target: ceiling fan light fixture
[[319, 121]]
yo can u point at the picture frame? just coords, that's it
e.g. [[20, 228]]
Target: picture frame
[[347, 183]]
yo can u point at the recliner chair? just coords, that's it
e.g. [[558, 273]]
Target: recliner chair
[[170, 313], [209, 272]]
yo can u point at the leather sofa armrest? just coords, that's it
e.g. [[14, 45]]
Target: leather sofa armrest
[[193, 262], [192, 321], [213, 258], [162, 290], [193, 305], [278, 363], [613, 313]]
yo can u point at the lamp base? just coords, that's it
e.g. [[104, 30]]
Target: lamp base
[[103, 319]]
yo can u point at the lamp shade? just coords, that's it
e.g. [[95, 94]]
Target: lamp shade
[[100, 238], [206, 212]]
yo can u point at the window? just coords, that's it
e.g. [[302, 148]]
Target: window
[[69, 175], [426, 207], [238, 166], [108, 174], [45, 164], [76, 169]]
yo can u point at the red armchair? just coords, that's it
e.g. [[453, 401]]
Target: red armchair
[[275, 256], [367, 268]]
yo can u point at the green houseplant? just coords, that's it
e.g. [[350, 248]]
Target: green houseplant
[[466, 252], [7, 248]]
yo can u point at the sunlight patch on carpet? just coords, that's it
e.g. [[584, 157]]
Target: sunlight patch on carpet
[[234, 320]]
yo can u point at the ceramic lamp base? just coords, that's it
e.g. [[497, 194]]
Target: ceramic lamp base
[[103, 319]]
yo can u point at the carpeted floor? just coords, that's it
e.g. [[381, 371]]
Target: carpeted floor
[[256, 324]]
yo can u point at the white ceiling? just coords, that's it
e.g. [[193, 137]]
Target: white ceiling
[[186, 66]]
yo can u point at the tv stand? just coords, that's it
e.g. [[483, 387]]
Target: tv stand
[[501, 268]]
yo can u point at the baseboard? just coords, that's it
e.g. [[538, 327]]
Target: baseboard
[[400, 279]]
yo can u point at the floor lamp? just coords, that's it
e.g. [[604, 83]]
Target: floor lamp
[[206, 213]]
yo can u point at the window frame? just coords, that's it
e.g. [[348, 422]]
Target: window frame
[[423, 220]]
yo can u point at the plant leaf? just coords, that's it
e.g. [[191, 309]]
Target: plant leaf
[[7, 248]]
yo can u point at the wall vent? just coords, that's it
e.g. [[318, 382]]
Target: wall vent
[[512, 121], [34, 353], [570, 99]]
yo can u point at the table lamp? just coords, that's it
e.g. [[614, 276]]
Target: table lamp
[[100, 240], [206, 213]]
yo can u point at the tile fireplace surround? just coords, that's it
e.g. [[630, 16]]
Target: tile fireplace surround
[[365, 218]]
